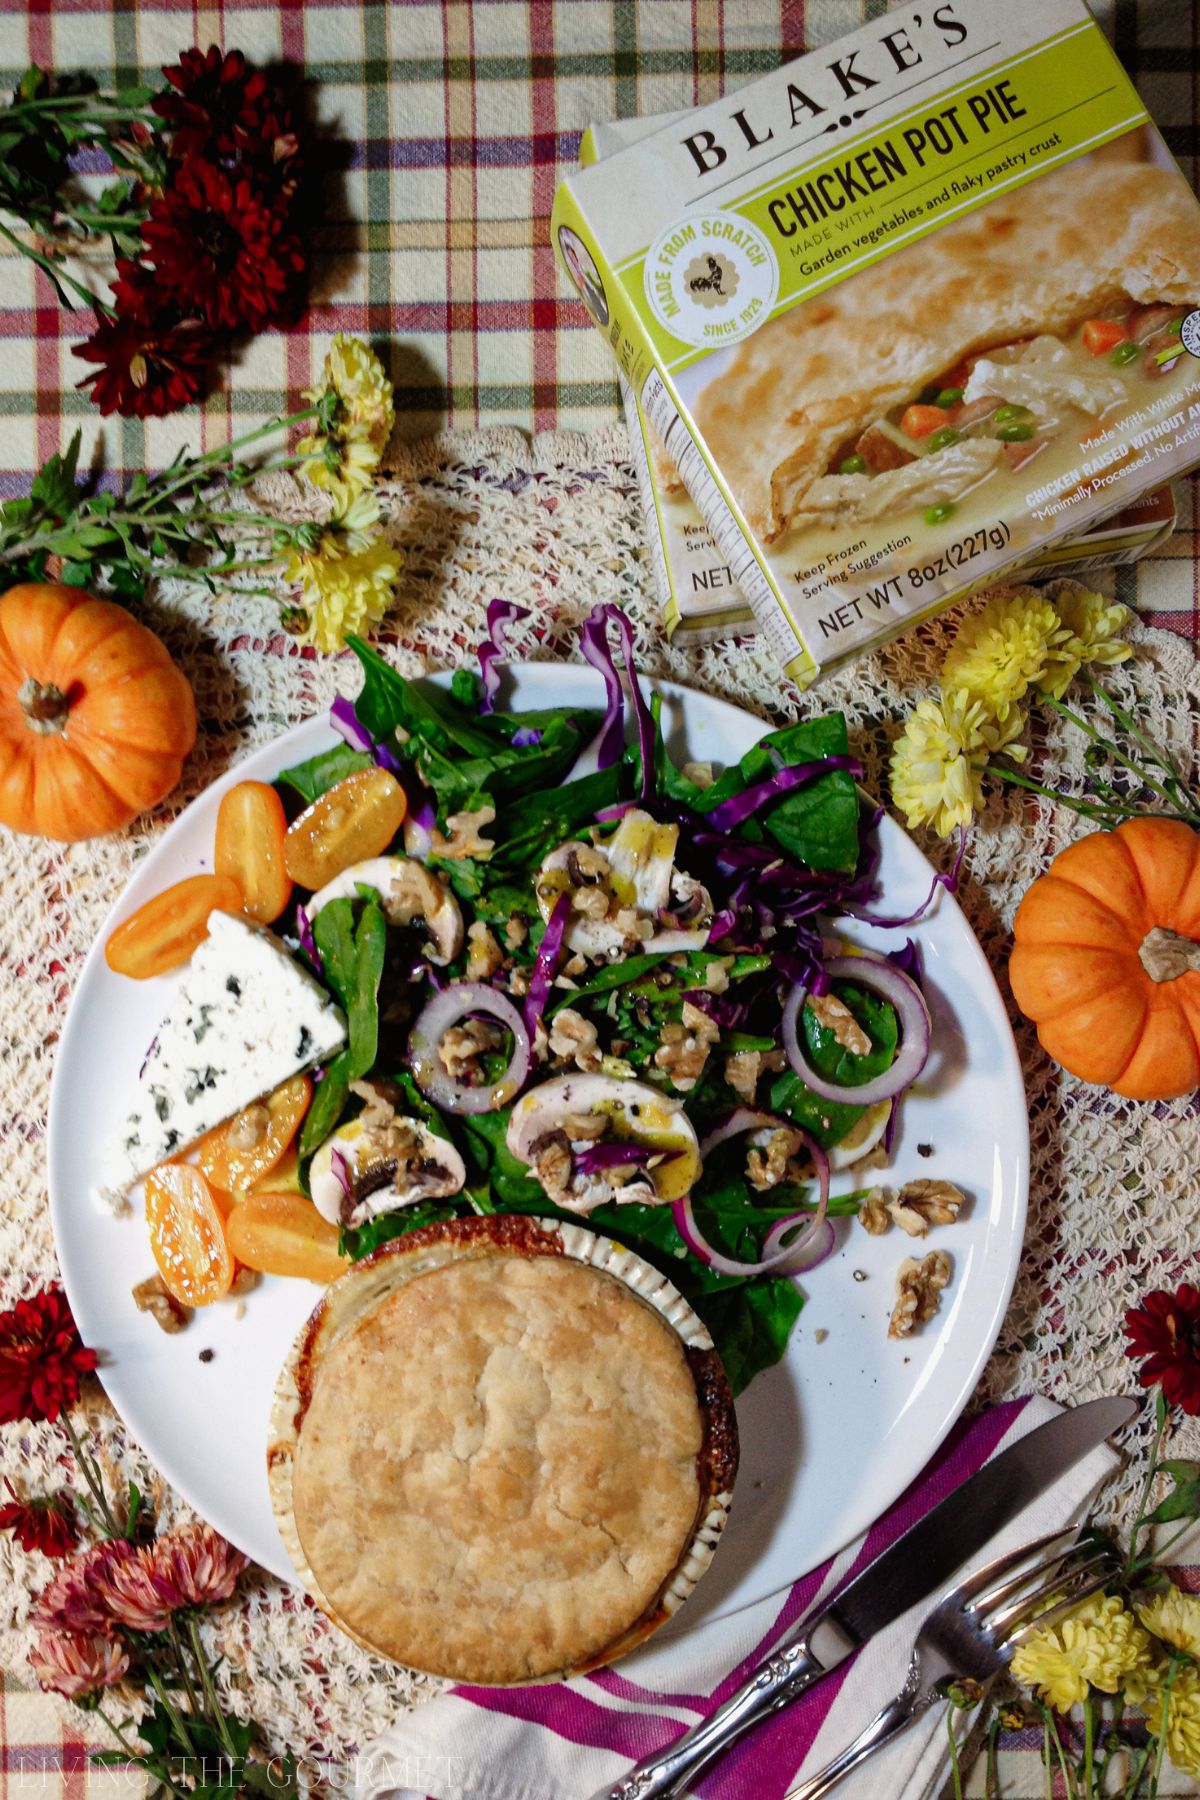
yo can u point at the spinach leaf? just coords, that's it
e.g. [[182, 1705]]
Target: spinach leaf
[[315, 777], [359, 1240], [750, 1325], [524, 834], [830, 1121], [462, 754], [829, 1058], [816, 825], [353, 960]]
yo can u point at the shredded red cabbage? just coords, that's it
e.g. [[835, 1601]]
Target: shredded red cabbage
[[740, 807], [948, 881], [493, 651], [307, 941], [346, 723], [594, 1159], [546, 963], [593, 641], [341, 1171], [526, 737]]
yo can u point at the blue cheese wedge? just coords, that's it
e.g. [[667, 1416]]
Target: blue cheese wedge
[[245, 1018]]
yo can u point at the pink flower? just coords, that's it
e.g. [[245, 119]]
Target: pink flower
[[196, 1563], [72, 1602], [132, 1592], [77, 1666]]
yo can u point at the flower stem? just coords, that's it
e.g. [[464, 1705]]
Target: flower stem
[[182, 1661], [955, 1771], [1172, 1665], [91, 1474], [1089, 811], [160, 1770], [215, 1707], [1089, 1744], [1147, 1487], [176, 1717], [1127, 723], [1118, 755], [57, 274]]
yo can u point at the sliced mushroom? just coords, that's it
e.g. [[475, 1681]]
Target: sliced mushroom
[[626, 890], [408, 892], [381, 1161], [555, 1123]]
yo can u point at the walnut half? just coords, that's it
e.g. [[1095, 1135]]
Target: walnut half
[[151, 1296], [918, 1292]]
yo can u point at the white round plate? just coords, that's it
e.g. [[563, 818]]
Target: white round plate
[[830, 1437]]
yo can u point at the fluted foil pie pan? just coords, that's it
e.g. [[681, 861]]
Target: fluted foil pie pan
[[345, 1327]]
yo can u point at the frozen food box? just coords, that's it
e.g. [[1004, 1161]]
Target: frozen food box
[[903, 314], [700, 600]]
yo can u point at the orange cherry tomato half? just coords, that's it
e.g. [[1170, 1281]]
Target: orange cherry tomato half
[[284, 1178], [187, 1235], [251, 828], [284, 1234], [164, 932], [355, 820], [1101, 335], [248, 1146], [920, 421]]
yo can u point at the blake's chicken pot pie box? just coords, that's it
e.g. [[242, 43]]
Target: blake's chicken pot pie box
[[701, 602], [902, 314]]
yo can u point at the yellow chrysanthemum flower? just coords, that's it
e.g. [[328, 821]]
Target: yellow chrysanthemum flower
[[1090, 625], [937, 765], [1183, 1714], [1004, 649], [346, 581], [342, 458], [1098, 1645], [1175, 1618]]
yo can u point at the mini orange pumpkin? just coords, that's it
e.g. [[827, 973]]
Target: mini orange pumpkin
[[95, 719], [1107, 962]]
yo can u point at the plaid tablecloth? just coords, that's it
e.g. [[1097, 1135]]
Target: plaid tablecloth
[[448, 124]]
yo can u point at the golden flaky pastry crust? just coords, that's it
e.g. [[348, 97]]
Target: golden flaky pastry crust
[[1039, 259], [500, 1465]]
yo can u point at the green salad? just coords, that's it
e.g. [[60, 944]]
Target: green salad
[[584, 983]]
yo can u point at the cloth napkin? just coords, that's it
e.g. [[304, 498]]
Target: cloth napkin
[[566, 1740]]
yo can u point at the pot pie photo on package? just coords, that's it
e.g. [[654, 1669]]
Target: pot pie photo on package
[[961, 325], [502, 1451], [700, 600]]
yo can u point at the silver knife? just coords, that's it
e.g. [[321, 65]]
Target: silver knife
[[908, 1571]]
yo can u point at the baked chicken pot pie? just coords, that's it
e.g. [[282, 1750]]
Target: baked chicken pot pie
[[502, 1450]]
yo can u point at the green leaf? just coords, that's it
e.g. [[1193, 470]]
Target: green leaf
[[134, 1508], [315, 777], [830, 1059], [816, 825], [1183, 1502], [352, 958]]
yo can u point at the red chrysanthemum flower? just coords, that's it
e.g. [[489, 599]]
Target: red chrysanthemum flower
[[1165, 1329], [221, 248], [217, 107], [198, 1564], [37, 1524], [77, 1666], [42, 1358], [73, 1602], [152, 360], [132, 1592]]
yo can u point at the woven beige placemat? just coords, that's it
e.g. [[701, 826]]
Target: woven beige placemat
[[556, 527]]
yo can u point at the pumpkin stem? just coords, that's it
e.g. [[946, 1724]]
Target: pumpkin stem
[[44, 705], [1165, 955]]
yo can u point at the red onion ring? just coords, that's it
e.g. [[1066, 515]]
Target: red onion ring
[[911, 1011], [456, 1002], [812, 1246], [743, 1118]]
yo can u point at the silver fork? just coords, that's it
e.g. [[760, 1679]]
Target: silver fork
[[972, 1633]]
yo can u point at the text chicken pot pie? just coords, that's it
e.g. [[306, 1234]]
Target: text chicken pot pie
[[502, 1451]]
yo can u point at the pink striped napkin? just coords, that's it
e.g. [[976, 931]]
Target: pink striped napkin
[[564, 1741]]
